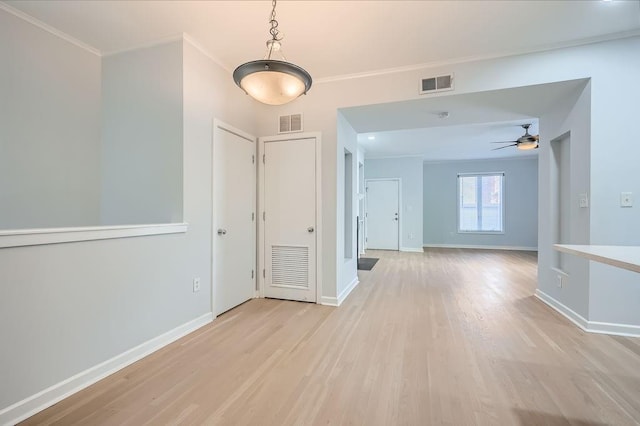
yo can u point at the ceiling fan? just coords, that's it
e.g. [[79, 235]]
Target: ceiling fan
[[524, 142]]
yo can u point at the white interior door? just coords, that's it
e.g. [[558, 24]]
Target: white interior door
[[234, 230], [290, 219], [383, 209]]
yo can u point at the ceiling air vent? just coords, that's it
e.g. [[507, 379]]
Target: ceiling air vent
[[290, 123], [436, 84]]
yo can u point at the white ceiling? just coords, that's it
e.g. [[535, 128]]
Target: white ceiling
[[333, 39]]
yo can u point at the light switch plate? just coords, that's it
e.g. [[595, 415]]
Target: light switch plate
[[583, 200], [626, 199]]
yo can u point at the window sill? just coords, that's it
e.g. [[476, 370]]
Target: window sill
[[482, 232], [35, 237]]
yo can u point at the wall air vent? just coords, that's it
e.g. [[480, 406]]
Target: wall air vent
[[290, 123], [436, 84]]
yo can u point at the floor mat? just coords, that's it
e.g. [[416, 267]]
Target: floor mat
[[367, 263]]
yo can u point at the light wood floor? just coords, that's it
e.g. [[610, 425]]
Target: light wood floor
[[450, 337]]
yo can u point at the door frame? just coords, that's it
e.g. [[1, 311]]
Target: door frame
[[261, 267], [366, 210], [219, 124]]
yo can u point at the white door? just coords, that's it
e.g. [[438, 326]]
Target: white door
[[234, 230], [290, 219], [383, 210]]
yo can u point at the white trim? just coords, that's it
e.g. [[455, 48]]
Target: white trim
[[337, 301], [146, 45], [478, 58], [480, 247], [329, 301], [318, 226], [48, 28], [24, 409], [391, 157], [520, 157], [191, 40], [565, 311], [34, 237], [626, 330], [347, 291], [412, 249]]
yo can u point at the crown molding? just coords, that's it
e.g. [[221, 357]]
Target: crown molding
[[195, 43], [146, 45], [38, 23], [528, 157], [393, 157], [466, 59]]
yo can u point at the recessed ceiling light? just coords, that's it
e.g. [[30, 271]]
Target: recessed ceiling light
[[371, 138]]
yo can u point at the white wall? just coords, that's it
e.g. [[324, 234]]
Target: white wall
[[49, 129], [346, 262], [612, 66], [572, 118], [520, 199], [68, 307], [142, 136], [409, 170]]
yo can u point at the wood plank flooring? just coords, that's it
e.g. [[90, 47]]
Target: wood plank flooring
[[448, 337]]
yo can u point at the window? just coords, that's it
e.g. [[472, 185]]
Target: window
[[481, 202]]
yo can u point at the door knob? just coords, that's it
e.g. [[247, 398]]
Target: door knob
[[222, 231], [310, 229]]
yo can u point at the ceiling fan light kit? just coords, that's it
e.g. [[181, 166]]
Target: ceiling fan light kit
[[524, 142], [271, 81]]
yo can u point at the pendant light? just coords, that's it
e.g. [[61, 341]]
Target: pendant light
[[271, 81]]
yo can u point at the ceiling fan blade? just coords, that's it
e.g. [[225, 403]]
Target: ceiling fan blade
[[505, 142], [503, 147]]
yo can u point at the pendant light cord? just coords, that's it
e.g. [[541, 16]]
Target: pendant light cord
[[275, 39], [274, 23]]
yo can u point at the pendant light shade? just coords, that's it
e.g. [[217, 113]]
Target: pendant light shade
[[270, 81]]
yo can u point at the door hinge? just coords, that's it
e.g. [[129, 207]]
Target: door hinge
[[253, 216], [366, 239], [264, 274], [252, 274], [264, 216], [263, 160], [253, 159]]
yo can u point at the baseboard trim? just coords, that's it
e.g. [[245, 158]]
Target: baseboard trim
[[329, 301], [337, 301], [464, 246], [31, 405], [626, 330], [562, 309], [412, 249], [347, 291]]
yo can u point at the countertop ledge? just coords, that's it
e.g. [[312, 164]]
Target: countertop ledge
[[626, 257]]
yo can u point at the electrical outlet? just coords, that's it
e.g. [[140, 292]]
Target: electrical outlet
[[411, 235], [626, 199], [559, 280], [196, 285]]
